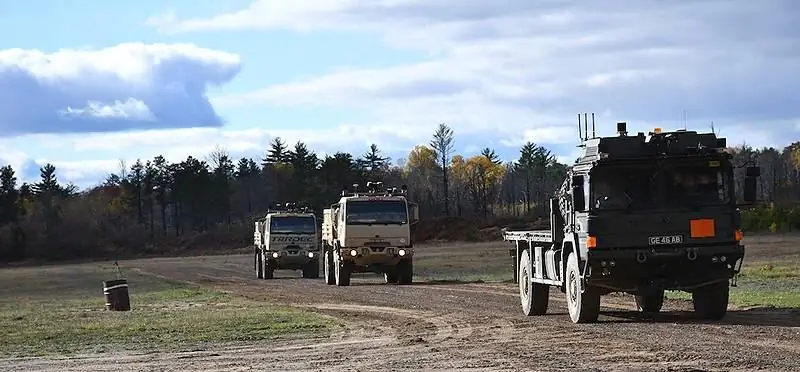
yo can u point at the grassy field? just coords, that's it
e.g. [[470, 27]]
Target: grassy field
[[764, 284], [60, 310]]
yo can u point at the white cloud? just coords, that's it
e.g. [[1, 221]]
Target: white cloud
[[499, 73], [129, 109], [127, 86], [15, 158], [522, 69]]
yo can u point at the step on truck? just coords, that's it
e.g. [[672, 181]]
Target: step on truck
[[286, 238], [369, 231], [638, 215]]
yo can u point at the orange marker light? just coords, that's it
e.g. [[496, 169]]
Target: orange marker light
[[657, 130], [738, 235], [591, 242]]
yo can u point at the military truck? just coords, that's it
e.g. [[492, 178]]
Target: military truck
[[369, 231], [287, 238], [638, 215]]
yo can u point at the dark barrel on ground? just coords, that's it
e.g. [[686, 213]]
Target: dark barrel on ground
[[116, 292]]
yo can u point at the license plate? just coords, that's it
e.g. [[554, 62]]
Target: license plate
[[668, 239]]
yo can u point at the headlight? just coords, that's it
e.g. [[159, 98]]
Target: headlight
[[353, 252], [401, 252], [275, 255], [310, 254]]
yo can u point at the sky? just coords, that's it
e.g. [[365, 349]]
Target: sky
[[88, 85]]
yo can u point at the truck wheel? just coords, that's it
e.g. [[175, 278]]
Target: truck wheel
[[711, 301], [535, 297], [649, 303], [311, 270], [343, 272], [405, 271], [583, 302], [258, 262], [330, 271]]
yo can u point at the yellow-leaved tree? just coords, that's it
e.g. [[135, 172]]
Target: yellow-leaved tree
[[483, 182], [420, 172]]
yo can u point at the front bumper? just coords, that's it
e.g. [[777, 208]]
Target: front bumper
[[293, 260], [370, 256], [679, 268]]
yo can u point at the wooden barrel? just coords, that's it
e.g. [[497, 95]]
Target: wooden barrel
[[116, 293]]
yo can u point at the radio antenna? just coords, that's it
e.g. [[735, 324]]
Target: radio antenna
[[586, 125]]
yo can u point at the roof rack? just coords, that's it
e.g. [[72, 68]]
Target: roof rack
[[289, 207], [375, 188]]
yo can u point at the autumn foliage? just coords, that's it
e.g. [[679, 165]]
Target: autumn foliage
[[197, 206]]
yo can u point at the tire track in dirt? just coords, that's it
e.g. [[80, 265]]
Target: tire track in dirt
[[479, 325]]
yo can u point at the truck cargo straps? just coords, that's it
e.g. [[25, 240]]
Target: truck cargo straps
[[543, 236]]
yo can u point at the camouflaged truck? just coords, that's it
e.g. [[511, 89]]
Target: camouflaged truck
[[369, 231], [286, 238], [638, 215]]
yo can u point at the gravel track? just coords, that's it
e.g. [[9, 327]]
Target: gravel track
[[467, 326]]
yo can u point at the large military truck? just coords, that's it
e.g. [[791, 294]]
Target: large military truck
[[286, 238], [369, 231], [638, 215]]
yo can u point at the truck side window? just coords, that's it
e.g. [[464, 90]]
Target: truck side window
[[586, 192]]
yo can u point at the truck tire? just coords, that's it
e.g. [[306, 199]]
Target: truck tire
[[583, 303], [311, 270], [390, 276], [330, 271], [258, 262], [535, 297], [269, 270], [711, 301], [343, 272], [405, 272], [650, 302]]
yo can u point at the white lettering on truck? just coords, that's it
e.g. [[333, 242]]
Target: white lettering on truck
[[292, 239]]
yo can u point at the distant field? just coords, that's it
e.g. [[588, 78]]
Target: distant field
[[60, 310], [763, 284]]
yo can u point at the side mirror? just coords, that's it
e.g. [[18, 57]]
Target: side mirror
[[751, 184]]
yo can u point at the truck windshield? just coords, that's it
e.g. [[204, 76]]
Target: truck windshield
[[377, 212], [670, 186], [292, 225]]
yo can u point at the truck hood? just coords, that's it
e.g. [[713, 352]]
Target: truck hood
[[649, 229], [386, 235]]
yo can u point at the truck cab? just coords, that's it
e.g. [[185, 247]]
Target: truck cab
[[369, 232], [287, 238], [639, 215]]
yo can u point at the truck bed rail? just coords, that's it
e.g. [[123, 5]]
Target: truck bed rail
[[544, 236]]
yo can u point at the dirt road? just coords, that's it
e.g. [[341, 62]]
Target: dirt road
[[471, 326]]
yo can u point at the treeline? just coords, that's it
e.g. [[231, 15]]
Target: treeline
[[153, 206]]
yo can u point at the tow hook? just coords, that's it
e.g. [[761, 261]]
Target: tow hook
[[691, 254], [641, 257]]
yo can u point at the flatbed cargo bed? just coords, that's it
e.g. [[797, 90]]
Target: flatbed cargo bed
[[543, 236]]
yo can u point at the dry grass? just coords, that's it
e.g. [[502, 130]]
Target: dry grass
[[60, 310]]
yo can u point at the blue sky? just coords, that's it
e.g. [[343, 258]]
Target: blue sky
[[88, 83]]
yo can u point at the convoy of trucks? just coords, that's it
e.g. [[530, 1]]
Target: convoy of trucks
[[635, 214]]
